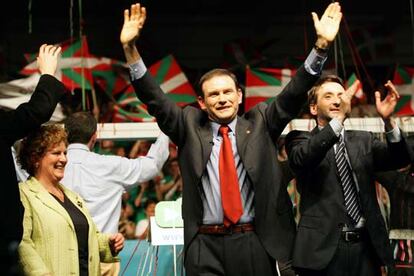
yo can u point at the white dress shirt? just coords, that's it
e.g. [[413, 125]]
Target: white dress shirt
[[101, 179]]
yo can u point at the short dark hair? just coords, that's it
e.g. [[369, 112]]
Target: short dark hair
[[80, 127], [37, 143], [312, 97], [214, 73], [149, 201]]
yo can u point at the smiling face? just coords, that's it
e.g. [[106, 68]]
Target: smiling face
[[221, 98], [52, 165], [328, 100]]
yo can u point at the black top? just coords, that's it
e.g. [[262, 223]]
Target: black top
[[81, 228]]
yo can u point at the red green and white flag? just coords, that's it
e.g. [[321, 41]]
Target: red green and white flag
[[112, 77], [129, 108], [75, 66], [403, 81], [173, 82], [263, 84]]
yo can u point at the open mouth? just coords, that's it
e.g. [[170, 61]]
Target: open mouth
[[223, 108], [59, 166]]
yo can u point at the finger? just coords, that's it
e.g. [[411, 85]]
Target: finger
[[118, 238], [42, 48], [119, 244], [53, 50], [58, 50], [377, 98], [391, 88], [315, 18], [336, 8], [135, 11], [143, 17], [48, 48], [328, 10], [126, 16], [353, 88], [138, 10]]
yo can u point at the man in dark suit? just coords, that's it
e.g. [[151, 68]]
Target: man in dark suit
[[341, 230], [246, 236], [15, 125]]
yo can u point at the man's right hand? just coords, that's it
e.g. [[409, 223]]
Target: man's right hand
[[327, 26], [133, 23], [48, 58]]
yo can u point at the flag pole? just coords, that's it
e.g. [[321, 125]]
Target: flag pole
[[82, 55]]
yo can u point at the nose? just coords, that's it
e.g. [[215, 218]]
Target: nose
[[336, 101], [63, 158], [222, 98]]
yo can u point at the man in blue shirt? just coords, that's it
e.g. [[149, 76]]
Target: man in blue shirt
[[255, 237]]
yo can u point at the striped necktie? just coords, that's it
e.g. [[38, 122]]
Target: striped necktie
[[348, 185]]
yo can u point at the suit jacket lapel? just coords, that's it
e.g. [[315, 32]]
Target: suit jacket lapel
[[243, 130], [206, 140], [47, 199]]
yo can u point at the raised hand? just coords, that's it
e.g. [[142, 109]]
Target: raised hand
[[116, 242], [133, 23], [48, 58], [386, 107], [346, 98], [327, 26]]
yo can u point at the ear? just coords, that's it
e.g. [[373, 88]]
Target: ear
[[201, 103], [240, 93], [93, 139], [313, 108]]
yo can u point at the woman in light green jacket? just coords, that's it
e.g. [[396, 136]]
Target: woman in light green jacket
[[59, 237]]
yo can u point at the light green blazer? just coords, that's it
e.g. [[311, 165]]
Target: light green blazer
[[49, 243]]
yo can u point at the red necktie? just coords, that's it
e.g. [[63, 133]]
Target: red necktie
[[229, 182]]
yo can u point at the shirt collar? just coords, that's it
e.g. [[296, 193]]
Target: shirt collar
[[215, 126], [78, 146]]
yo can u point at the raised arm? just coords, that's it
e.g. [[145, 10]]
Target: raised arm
[[169, 115], [28, 116], [290, 101]]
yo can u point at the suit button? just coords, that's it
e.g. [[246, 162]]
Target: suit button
[[90, 259]]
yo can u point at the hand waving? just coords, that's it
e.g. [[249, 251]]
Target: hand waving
[[133, 23], [327, 26], [386, 107], [48, 58]]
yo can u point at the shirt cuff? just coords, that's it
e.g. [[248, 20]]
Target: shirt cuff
[[336, 126], [315, 61], [137, 69], [394, 135]]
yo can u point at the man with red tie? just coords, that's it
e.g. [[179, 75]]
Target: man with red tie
[[237, 213]]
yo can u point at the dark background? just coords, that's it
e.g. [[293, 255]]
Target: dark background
[[198, 32]]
